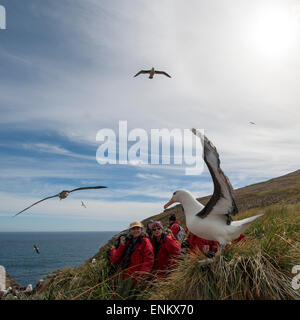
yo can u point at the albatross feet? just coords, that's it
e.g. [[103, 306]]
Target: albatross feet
[[206, 261], [211, 257]]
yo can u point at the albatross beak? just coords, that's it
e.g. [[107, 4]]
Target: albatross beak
[[168, 204]]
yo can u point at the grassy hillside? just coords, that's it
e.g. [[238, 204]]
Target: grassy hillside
[[258, 269], [261, 268]]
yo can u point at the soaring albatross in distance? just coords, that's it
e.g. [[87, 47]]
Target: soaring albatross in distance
[[213, 221], [152, 72], [61, 195], [37, 250]]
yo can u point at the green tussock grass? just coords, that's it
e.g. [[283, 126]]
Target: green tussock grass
[[260, 268], [99, 281]]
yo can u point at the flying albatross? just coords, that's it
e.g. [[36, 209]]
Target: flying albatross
[[61, 195], [152, 72], [37, 250], [213, 221]]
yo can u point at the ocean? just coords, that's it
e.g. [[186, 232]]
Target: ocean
[[57, 250]]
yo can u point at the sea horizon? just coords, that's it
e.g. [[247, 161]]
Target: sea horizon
[[58, 250]]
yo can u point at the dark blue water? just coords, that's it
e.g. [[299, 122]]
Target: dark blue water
[[57, 250]]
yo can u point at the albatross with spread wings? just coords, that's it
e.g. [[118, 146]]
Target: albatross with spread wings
[[61, 195], [37, 250], [152, 72], [213, 221]]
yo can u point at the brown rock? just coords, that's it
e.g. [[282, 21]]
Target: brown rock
[[11, 283]]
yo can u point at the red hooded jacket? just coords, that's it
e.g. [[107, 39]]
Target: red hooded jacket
[[142, 258], [174, 227], [197, 242], [169, 250]]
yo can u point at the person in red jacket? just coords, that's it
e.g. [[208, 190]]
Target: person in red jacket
[[174, 225], [206, 246], [135, 255], [166, 249]]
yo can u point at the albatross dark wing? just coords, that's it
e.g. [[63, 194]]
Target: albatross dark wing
[[36, 249], [84, 188], [163, 72], [222, 201], [36, 203], [142, 71], [58, 195]]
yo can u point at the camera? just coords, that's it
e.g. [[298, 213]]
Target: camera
[[185, 243], [127, 237]]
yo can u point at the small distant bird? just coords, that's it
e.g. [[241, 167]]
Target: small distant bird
[[37, 250], [152, 72], [82, 204], [93, 261], [61, 195], [252, 122]]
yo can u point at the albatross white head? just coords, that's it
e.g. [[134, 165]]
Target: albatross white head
[[175, 198], [188, 201]]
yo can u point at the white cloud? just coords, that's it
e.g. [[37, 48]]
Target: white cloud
[[218, 83], [148, 176], [54, 149]]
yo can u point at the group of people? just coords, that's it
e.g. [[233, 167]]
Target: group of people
[[156, 250], [140, 253]]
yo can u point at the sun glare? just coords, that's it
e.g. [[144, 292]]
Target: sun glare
[[273, 32]]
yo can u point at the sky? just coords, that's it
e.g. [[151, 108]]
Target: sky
[[67, 72]]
